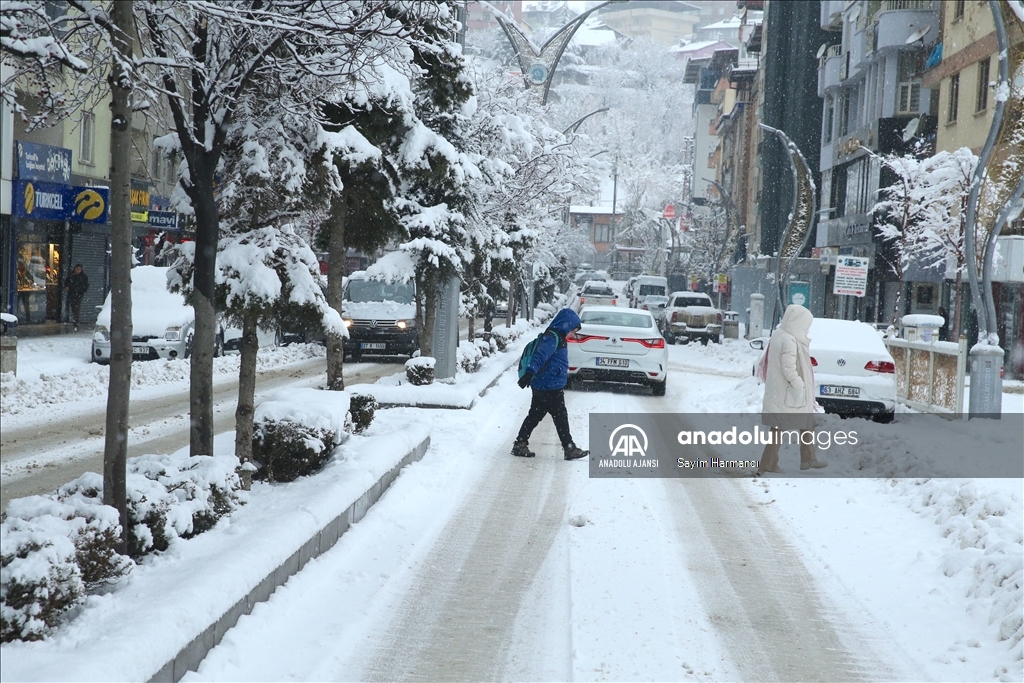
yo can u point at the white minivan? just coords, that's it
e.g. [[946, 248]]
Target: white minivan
[[647, 285]]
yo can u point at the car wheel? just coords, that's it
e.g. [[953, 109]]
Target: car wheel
[[658, 389], [703, 341], [884, 418], [717, 339], [669, 337]]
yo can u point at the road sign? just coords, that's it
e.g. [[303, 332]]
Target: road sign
[[721, 283], [851, 276], [670, 212]]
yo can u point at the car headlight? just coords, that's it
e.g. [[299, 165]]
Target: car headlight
[[348, 322], [172, 334], [101, 333], [405, 324]]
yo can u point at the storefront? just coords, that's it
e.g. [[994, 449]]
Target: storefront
[[46, 212]]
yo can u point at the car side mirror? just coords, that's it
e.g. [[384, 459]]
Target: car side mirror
[[757, 344]]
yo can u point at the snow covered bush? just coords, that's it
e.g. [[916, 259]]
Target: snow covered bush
[[287, 450], [470, 356], [502, 337], [485, 346], [361, 409], [420, 371], [39, 576]]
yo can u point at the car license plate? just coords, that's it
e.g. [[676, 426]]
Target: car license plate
[[613, 362], [845, 392], [140, 350], [373, 346]]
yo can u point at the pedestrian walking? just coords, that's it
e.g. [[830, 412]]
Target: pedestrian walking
[[789, 389], [76, 285], [546, 376]]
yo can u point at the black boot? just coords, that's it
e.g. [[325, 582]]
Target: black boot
[[574, 452], [522, 449]]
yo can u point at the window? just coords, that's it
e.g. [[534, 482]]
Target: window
[[603, 233], [954, 98], [958, 9], [909, 93], [983, 70], [85, 148], [830, 115], [848, 112]]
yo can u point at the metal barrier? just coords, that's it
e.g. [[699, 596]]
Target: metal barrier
[[930, 376]]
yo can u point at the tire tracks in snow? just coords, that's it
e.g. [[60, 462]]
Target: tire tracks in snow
[[457, 620]]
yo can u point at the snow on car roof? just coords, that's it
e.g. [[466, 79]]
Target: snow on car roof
[[828, 333], [154, 309]]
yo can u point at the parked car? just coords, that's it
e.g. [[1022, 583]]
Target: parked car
[[655, 303], [597, 293], [162, 324], [618, 345], [380, 316], [646, 285], [854, 374], [690, 316], [231, 339]]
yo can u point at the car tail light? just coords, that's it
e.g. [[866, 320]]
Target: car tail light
[[814, 363], [582, 300], [613, 302], [880, 366], [719, 318], [658, 343], [576, 338], [643, 307], [572, 369]]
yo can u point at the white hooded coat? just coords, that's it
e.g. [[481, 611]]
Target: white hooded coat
[[789, 382]]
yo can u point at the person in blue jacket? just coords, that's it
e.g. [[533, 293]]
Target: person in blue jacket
[[546, 376]]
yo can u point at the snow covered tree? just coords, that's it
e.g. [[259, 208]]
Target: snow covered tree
[[922, 214], [208, 55]]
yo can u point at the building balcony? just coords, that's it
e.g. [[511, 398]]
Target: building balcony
[[902, 20], [830, 70], [832, 14]]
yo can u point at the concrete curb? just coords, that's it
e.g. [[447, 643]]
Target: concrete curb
[[190, 656]]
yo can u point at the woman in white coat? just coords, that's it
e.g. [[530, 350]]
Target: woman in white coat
[[789, 389]]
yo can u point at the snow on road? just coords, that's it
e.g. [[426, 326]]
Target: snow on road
[[476, 565]]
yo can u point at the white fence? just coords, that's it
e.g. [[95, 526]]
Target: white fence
[[930, 375]]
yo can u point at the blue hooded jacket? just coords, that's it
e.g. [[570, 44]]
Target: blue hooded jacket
[[552, 348]]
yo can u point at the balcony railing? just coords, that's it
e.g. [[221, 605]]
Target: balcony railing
[[832, 51], [906, 4]]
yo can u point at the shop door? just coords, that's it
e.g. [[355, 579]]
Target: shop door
[[91, 252]]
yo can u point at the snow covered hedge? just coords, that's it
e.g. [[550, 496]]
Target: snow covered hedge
[[470, 355], [420, 370], [295, 431], [57, 548]]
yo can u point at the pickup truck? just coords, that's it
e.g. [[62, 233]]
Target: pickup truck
[[691, 315], [597, 293]]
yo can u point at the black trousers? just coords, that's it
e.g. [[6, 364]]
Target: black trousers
[[547, 402]]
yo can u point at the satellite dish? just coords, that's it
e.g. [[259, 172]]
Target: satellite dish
[[821, 50], [911, 129], [918, 35], [854, 15]]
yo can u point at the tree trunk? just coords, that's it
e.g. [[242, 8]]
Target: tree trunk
[[335, 273], [246, 395], [957, 304], [510, 317], [115, 447], [203, 281], [471, 327]]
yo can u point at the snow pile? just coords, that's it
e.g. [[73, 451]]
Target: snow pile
[[21, 394], [982, 523], [311, 407]]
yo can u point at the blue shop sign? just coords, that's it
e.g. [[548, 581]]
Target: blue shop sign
[[43, 162], [89, 204], [51, 202], [163, 220], [40, 201]]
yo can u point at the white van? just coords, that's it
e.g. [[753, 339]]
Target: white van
[[646, 285]]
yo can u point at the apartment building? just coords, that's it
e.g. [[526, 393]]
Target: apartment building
[[873, 101], [667, 22]]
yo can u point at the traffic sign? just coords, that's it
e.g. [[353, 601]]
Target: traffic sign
[[670, 212], [851, 276]]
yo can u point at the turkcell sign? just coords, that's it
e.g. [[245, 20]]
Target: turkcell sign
[[41, 201], [163, 220], [43, 162]]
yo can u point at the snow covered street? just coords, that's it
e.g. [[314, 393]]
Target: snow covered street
[[480, 566]]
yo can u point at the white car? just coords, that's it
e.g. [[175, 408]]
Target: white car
[[853, 371], [162, 324], [597, 293], [618, 345]]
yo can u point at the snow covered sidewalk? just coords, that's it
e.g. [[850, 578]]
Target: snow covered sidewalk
[[161, 620]]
